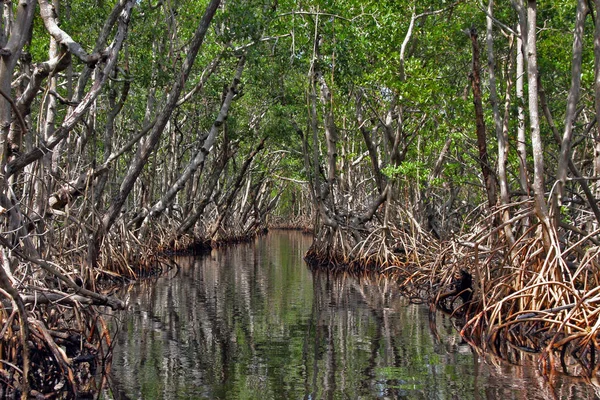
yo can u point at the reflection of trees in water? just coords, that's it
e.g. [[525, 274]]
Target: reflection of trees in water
[[209, 327], [252, 321], [366, 324], [361, 337]]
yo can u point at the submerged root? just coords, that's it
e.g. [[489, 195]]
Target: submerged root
[[511, 292]]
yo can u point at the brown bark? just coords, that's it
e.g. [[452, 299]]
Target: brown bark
[[484, 163]]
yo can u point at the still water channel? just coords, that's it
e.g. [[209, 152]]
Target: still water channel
[[253, 322]]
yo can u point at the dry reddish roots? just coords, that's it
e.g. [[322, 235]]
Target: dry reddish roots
[[524, 298], [385, 250], [535, 299]]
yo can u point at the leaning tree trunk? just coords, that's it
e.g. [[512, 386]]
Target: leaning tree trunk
[[234, 190], [12, 49], [200, 157], [211, 182]]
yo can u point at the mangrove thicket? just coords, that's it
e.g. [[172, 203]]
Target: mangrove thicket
[[452, 145]]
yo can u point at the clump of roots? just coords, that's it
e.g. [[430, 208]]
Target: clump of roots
[[67, 342], [403, 253], [531, 296], [302, 223]]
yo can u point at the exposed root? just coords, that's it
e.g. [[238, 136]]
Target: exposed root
[[68, 344], [302, 223], [510, 297], [532, 299]]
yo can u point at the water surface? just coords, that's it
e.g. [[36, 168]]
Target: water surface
[[253, 322]]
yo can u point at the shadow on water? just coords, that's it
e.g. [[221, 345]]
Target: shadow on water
[[253, 322]]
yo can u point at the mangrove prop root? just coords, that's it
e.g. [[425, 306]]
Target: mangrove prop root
[[513, 297]]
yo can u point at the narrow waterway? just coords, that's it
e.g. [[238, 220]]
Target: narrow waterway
[[253, 322]]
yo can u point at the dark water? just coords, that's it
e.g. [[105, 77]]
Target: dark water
[[253, 322]]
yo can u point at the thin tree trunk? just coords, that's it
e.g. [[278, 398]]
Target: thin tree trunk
[[100, 43], [521, 138], [484, 163], [312, 180], [597, 97], [236, 187], [503, 152], [495, 107], [367, 137], [572, 99], [321, 191], [43, 183], [521, 134], [7, 286], [331, 133], [116, 105], [501, 126], [213, 178], [541, 209], [582, 182], [16, 34]]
